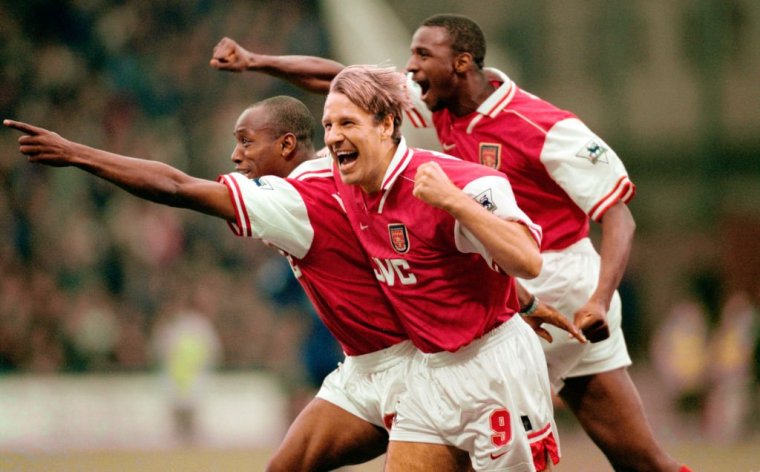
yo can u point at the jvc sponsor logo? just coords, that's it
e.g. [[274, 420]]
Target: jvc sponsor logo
[[389, 270]]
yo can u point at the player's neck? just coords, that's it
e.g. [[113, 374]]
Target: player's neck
[[382, 160], [476, 90]]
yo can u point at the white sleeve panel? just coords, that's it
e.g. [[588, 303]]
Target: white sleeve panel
[[419, 115], [586, 168], [495, 195], [272, 210]]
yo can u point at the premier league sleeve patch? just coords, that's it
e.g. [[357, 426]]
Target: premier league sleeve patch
[[594, 151], [263, 183], [485, 199], [490, 155], [399, 237]]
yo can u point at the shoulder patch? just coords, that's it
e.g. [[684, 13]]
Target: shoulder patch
[[485, 198], [594, 151], [263, 183]]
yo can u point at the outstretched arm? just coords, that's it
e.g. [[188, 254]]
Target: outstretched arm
[[618, 227], [307, 72], [150, 180]]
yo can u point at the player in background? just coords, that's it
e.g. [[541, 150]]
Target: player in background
[[347, 421], [563, 175], [445, 238]]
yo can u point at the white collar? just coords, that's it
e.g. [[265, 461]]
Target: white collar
[[397, 165], [500, 98]]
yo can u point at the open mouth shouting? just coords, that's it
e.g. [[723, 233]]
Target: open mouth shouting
[[424, 88], [345, 158]]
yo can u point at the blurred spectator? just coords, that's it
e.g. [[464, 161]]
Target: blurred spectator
[[731, 388], [187, 350], [679, 353], [707, 359], [92, 330]]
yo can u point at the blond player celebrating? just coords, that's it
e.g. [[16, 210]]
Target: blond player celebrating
[[445, 238]]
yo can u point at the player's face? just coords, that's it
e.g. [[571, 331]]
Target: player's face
[[258, 151], [432, 66], [358, 144]]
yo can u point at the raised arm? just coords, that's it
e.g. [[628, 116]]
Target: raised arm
[[510, 243], [307, 72], [150, 180]]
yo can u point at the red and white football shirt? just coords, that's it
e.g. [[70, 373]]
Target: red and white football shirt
[[303, 217], [439, 278], [560, 171]]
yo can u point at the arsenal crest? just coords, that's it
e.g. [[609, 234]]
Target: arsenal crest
[[490, 155], [399, 237]]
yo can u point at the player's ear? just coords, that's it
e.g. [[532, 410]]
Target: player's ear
[[288, 144], [463, 62], [388, 125]]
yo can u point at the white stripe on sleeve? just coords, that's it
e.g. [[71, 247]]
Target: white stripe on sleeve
[[272, 210]]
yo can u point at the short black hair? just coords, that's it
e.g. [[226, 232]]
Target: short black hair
[[466, 35], [289, 115]]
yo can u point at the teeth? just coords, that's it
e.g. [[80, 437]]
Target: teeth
[[343, 154]]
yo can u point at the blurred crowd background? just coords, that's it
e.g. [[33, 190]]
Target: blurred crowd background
[[92, 279], [89, 274]]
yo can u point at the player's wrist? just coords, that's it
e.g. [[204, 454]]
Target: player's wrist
[[251, 61], [530, 307]]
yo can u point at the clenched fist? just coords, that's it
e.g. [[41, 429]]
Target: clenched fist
[[230, 56]]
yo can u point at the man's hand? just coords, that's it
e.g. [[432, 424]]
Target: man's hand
[[433, 186], [43, 146], [591, 319], [548, 314], [230, 56]]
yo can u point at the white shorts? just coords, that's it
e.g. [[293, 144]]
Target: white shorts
[[491, 398], [369, 386], [567, 280]]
